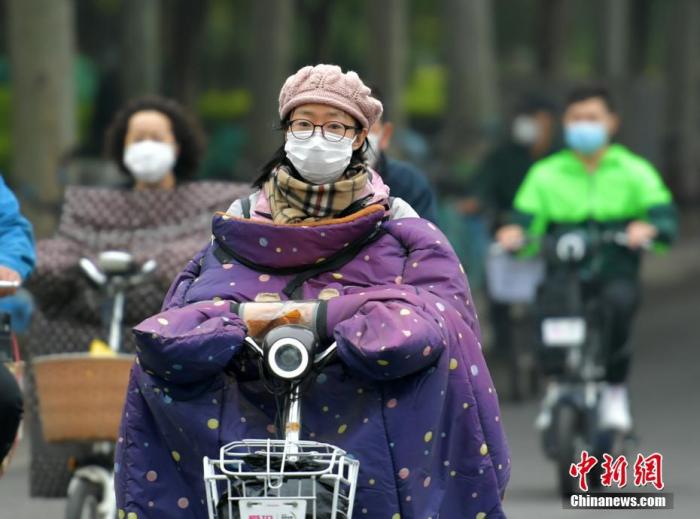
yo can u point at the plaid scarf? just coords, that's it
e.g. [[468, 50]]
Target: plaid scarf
[[294, 201]]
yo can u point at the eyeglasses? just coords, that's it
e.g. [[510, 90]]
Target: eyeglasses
[[333, 131]]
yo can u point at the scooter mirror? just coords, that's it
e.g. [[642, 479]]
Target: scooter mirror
[[92, 272]]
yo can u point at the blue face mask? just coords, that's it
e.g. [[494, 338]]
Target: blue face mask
[[586, 137]]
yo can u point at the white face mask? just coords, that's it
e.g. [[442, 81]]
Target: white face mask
[[525, 130], [317, 160], [149, 161], [373, 150]]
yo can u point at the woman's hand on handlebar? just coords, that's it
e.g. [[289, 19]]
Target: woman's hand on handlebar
[[511, 237], [12, 277]]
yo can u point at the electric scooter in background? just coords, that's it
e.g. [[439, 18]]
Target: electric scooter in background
[[572, 331], [81, 395]]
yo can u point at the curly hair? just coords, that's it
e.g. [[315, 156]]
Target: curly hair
[[186, 129]]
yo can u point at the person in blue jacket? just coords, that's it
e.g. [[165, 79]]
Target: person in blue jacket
[[16, 262]]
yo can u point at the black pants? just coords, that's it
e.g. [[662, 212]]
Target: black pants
[[618, 302], [10, 410]]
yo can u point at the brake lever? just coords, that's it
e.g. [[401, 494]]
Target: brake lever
[[325, 354], [255, 346]]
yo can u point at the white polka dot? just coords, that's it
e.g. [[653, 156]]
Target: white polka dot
[[474, 369], [263, 242]]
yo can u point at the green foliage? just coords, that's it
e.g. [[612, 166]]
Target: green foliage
[[224, 105], [425, 94]]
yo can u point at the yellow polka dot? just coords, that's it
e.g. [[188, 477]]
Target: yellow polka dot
[[453, 363], [132, 515], [428, 436], [337, 275], [372, 482], [213, 423], [175, 455], [219, 303], [163, 321], [319, 260], [121, 513], [383, 362], [484, 450], [342, 429], [481, 515], [396, 516], [465, 405], [216, 299]]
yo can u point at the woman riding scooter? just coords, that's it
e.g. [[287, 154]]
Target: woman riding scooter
[[410, 397]]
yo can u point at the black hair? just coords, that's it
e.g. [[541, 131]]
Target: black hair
[[279, 157], [186, 129], [585, 92], [532, 103]]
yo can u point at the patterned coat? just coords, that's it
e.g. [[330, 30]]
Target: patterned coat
[[411, 396]]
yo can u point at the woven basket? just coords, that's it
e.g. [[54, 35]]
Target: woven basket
[[81, 396]]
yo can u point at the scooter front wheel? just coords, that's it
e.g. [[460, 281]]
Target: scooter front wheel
[[568, 431], [84, 498]]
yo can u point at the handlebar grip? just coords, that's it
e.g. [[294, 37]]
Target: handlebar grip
[[10, 284]]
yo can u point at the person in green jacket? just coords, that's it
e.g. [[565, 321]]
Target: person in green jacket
[[595, 182]]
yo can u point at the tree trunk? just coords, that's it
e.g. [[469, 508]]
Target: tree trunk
[[614, 41], [269, 67], [471, 63], [683, 97], [387, 59], [185, 34], [43, 103], [141, 61], [550, 37]]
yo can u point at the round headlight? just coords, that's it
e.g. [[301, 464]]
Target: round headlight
[[288, 358]]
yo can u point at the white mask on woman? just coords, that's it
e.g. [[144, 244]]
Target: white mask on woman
[[318, 160], [149, 161]]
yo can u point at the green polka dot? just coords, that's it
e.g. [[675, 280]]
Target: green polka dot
[[396, 516], [213, 423], [428, 436], [175, 455], [481, 515], [132, 515], [383, 362], [342, 429], [484, 450], [453, 363], [121, 513]]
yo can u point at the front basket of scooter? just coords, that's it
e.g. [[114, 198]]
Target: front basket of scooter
[[81, 396], [277, 478]]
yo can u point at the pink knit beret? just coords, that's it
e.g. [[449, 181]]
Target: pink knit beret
[[326, 84]]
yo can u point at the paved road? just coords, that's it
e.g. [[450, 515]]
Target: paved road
[[666, 400], [666, 404]]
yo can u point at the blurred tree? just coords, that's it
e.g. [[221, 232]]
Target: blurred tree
[[317, 16], [185, 30], [551, 36], [41, 41], [472, 91], [683, 98], [269, 66], [141, 64], [387, 59], [614, 40]]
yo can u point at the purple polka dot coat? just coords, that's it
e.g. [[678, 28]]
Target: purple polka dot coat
[[411, 396]]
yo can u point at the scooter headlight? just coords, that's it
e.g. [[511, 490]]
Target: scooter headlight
[[288, 358]]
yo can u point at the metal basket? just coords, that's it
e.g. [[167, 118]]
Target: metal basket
[[81, 396], [279, 479]]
